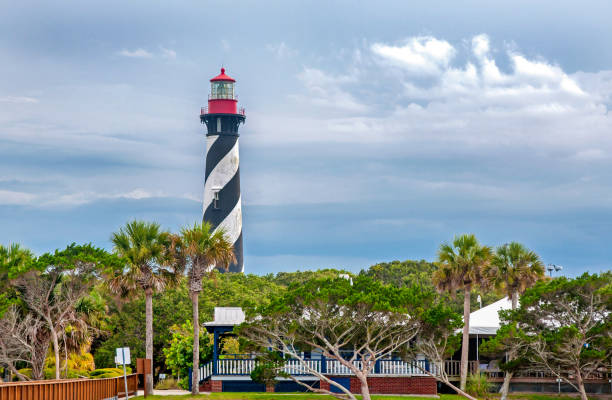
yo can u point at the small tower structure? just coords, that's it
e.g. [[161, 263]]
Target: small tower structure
[[222, 200]]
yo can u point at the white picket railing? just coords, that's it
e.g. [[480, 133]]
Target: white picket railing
[[206, 370], [235, 366], [333, 367], [296, 367], [399, 367]]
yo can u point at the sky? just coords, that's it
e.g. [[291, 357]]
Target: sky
[[375, 130]]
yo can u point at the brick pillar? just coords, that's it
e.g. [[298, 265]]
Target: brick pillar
[[269, 388], [216, 386]]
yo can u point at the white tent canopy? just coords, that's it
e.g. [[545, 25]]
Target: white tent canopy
[[486, 320]]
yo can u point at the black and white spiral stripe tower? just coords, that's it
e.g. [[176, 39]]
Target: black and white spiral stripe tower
[[222, 200]]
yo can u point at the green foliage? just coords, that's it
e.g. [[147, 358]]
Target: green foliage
[[412, 273], [26, 372], [514, 268], [126, 323], [405, 273], [478, 386], [179, 354], [461, 263], [108, 372], [562, 325], [74, 256], [167, 384], [268, 368], [14, 261], [329, 315], [286, 279]]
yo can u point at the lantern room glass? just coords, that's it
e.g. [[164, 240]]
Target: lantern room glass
[[222, 90]]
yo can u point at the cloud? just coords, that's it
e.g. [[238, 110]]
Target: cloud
[[18, 100], [138, 53], [423, 54], [326, 91], [168, 53], [9, 197], [281, 50]]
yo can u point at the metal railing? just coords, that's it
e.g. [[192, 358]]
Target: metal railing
[[204, 111]]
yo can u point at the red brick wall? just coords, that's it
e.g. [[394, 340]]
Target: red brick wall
[[216, 386], [394, 385], [206, 386]]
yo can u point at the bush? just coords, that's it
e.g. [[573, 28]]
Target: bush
[[25, 371], [168, 383], [478, 386], [108, 372], [183, 383]]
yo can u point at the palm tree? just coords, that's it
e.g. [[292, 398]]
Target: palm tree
[[144, 248], [204, 249], [460, 267], [14, 260], [513, 269]]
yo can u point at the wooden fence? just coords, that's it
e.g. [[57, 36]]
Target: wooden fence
[[69, 389]]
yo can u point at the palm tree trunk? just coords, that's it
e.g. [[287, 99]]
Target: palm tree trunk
[[508, 375], [466, 336], [195, 381], [149, 339], [515, 298]]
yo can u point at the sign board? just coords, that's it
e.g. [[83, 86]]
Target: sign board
[[122, 354]]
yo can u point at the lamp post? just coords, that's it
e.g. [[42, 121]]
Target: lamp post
[[553, 267]]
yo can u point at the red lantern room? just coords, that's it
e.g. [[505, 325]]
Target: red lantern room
[[222, 114], [222, 99]]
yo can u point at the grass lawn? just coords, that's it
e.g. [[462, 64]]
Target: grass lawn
[[308, 396]]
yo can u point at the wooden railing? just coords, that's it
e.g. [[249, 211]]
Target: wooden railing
[[69, 389]]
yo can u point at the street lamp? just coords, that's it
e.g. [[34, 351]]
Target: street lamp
[[553, 267]]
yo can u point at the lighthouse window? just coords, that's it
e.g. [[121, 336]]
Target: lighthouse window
[[222, 90], [216, 200], [218, 124]]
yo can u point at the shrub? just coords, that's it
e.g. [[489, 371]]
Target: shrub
[[108, 372], [25, 371], [478, 386], [168, 383]]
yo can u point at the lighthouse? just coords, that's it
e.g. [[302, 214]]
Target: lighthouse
[[222, 201]]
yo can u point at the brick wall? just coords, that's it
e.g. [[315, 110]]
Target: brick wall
[[216, 386], [377, 385], [206, 386], [394, 385]]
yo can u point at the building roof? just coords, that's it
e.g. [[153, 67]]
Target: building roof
[[486, 320], [227, 316], [223, 77]]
